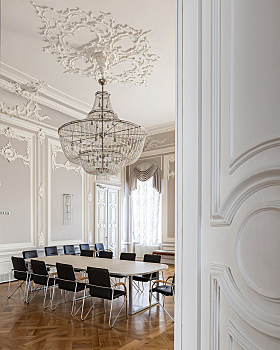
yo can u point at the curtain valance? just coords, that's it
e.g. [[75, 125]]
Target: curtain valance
[[143, 172]]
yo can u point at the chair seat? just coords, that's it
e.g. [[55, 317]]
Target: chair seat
[[115, 275], [163, 289], [144, 278]]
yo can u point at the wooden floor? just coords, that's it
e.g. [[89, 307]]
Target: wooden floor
[[29, 326]]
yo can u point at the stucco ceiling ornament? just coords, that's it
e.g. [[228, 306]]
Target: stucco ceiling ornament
[[96, 46]]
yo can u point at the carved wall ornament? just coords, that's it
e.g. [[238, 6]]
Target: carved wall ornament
[[171, 173], [31, 109], [117, 52], [89, 236], [89, 196], [9, 152], [67, 165], [151, 143], [41, 191], [41, 239], [41, 136]]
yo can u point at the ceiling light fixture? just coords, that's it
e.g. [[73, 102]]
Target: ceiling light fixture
[[102, 143]]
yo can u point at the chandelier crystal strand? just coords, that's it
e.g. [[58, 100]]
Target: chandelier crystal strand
[[102, 143]]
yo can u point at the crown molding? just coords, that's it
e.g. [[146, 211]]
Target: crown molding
[[160, 128], [50, 97]]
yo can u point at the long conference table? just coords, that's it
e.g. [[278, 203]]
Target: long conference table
[[115, 266]]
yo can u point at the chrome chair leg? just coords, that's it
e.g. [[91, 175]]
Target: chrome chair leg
[[125, 301]]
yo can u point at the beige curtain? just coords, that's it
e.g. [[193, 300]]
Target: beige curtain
[[143, 172]]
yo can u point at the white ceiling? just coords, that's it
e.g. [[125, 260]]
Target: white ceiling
[[22, 43]]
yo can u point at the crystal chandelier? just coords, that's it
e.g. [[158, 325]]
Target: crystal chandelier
[[102, 143]]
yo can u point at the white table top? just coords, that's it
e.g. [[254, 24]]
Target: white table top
[[115, 266]]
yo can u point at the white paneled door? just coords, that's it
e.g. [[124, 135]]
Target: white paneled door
[[228, 185], [107, 214]]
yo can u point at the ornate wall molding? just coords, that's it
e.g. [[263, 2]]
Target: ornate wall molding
[[234, 334], [265, 177], [171, 173], [41, 191], [223, 281], [273, 297], [41, 239], [31, 109], [251, 152], [102, 51], [9, 152], [151, 143], [41, 136], [67, 165]]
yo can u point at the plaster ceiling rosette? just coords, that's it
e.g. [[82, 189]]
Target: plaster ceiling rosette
[[95, 46]]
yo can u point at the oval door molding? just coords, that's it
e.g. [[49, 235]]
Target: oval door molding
[[259, 262]]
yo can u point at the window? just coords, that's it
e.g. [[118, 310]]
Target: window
[[146, 205]]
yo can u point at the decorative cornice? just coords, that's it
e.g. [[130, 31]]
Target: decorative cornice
[[159, 128], [103, 51], [49, 96], [67, 165], [9, 152], [30, 109]]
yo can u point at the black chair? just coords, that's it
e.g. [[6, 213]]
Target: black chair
[[149, 277], [105, 254], [27, 254], [40, 276], [49, 251], [124, 256], [67, 281], [87, 252], [100, 287], [84, 246], [21, 274], [69, 250], [166, 289]]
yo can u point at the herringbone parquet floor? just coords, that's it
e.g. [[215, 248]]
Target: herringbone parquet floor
[[30, 327]]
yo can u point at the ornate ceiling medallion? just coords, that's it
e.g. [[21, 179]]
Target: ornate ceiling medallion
[[96, 46]]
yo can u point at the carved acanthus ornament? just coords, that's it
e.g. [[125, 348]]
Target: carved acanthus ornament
[[41, 136], [31, 109], [89, 196], [67, 165], [89, 236], [152, 143], [171, 173], [117, 52], [41, 239], [9, 152], [41, 191]]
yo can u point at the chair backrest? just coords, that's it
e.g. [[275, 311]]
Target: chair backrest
[[99, 278], [128, 256], [27, 254], [106, 255], [49, 251], [87, 252], [99, 246], [69, 249], [65, 277], [84, 246], [20, 269], [40, 273], [152, 258]]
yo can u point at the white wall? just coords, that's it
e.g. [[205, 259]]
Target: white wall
[[34, 175]]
